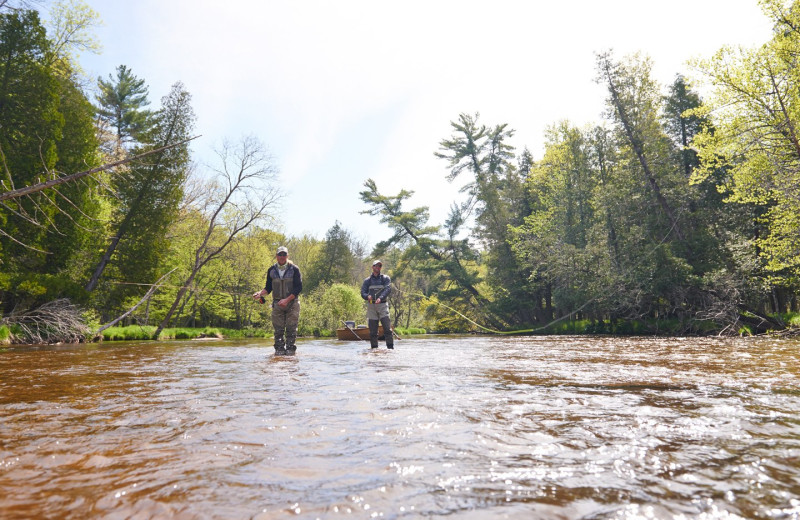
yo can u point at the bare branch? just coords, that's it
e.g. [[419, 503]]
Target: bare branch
[[146, 297], [58, 321], [75, 176]]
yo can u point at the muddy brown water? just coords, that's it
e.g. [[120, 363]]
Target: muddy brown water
[[458, 427]]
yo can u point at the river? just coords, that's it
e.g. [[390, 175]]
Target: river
[[471, 427]]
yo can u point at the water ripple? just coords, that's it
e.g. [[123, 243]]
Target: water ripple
[[467, 427]]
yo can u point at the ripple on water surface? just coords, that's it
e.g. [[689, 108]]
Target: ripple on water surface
[[469, 427]]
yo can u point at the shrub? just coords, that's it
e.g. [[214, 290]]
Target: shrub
[[5, 334], [326, 307]]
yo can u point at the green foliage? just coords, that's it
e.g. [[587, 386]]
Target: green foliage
[[122, 101], [140, 333], [148, 204], [408, 331], [674, 212], [334, 262], [70, 30], [449, 262], [31, 125], [756, 109], [792, 319], [5, 334], [324, 309]]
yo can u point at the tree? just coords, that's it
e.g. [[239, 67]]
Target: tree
[[633, 104], [485, 153], [753, 151], [553, 240], [122, 101], [70, 31], [495, 193], [242, 195], [328, 306], [19, 4], [335, 261], [682, 121], [449, 258], [45, 128], [150, 193]]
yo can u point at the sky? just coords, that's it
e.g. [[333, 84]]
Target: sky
[[348, 90]]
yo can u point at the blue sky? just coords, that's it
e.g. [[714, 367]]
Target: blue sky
[[349, 90]]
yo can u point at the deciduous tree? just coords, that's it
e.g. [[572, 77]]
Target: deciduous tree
[[243, 193]]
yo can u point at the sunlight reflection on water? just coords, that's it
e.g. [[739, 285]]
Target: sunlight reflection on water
[[471, 427]]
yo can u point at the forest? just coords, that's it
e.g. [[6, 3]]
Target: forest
[[675, 214]]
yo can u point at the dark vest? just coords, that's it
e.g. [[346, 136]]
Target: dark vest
[[282, 287], [377, 286]]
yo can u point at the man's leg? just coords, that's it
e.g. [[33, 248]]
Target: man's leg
[[279, 324], [292, 317], [373, 333], [387, 332]]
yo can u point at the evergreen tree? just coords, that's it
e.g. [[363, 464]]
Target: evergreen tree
[[449, 261], [122, 101], [335, 261], [149, 197], [495, 194], [682, 121]]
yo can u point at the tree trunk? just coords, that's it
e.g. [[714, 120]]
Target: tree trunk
[[90, 286]]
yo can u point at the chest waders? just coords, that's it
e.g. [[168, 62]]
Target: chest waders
[[284, 319], [378, 313]]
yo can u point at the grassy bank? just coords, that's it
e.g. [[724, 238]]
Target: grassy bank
[[138, 332]]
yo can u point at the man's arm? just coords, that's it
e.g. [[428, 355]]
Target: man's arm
[[297, 284], [387, 289]]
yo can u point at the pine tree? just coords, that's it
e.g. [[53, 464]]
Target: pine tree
[[122, 101]]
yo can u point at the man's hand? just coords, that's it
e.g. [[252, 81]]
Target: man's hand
[[378, 300]]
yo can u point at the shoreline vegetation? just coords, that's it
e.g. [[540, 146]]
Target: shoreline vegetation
[[674, 214], [146, 332], [9, 337]]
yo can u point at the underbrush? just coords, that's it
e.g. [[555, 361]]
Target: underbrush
[[407, 331]]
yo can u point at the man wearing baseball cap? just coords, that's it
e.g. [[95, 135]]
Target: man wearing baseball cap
[[285, 282], [375, 290]]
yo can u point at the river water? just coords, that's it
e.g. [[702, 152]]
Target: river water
[[464, 427]]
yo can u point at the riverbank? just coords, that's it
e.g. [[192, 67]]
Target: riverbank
[[567, 327]]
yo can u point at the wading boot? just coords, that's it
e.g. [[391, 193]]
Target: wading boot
[[280, 345], [387, 332], [291, 338]]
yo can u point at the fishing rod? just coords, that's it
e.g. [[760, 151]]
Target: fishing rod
[[261, 300]]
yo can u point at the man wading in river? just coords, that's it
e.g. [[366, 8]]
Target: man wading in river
[[376, 289], [285, 283]]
